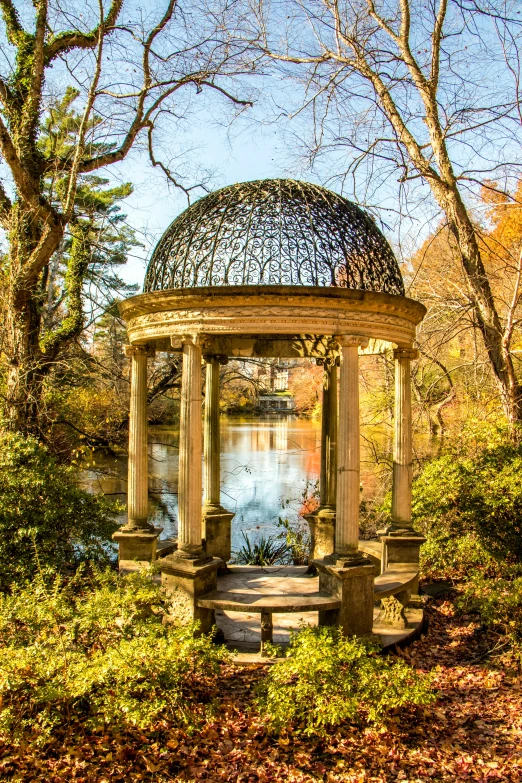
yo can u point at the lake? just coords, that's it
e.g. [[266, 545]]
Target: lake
[[268, 464]]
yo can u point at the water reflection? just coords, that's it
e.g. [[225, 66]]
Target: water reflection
[[266, 465]]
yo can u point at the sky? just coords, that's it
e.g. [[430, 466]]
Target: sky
[[254, 148], [155, 204]]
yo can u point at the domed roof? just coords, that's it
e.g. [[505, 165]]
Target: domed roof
[[274, 232]]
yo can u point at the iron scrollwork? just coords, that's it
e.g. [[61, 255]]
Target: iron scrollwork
[[274, 232]]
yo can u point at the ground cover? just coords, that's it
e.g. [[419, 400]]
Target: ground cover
[[473, 732]]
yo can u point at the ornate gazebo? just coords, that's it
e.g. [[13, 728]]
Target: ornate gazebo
[[274, 268]]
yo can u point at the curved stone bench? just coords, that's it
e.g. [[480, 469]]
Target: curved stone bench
[[373, 549], [277, 604], [399, 578], [279, 590], [267, 591], [266, 605]]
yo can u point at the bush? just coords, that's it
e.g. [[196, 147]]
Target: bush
[[327, 679], [40, 505], [470, 507], [97, 651], [297, 538]]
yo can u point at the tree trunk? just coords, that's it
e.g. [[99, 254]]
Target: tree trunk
[[488, 320], [24, 388], [23, 320]]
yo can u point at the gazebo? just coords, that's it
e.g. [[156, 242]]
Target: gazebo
[[274, 268]]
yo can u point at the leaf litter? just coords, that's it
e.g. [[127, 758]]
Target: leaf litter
[[472, 733]]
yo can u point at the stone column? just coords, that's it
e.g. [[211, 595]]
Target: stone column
[[216, 519], [322, 521], [328, 482], [137, 538], [401, 544], [402, 440], [348, 574], [349, 449], [190, 474], [189, 572]]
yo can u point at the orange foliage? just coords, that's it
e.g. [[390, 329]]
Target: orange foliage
[[305, 383]]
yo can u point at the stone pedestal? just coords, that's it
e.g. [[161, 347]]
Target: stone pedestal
[[216, 532], [400, 546], [185, 581], [136, 547], [351, 581], [322, 532]]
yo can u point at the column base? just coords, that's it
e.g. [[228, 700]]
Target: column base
[[185, 580], [322, 532], [216, 530], [349, 578], [136, 546]]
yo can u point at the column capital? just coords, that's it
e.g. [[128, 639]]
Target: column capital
[[405, 353], [328, 361], [352, 340], [221, 358], [139, 350], [195, 338]]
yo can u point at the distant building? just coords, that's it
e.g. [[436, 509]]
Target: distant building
[[273, 385], [276, 402]]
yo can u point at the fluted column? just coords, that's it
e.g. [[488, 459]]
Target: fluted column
[[402, 442], [328, 479], [138, 470], [348, 449], [216, 530], [212, 449], [190, 479]]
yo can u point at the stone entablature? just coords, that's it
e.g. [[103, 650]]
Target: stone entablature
[[245, 312]]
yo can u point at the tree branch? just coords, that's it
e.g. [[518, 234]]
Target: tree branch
[[80, 144], [66, 41], [24, 183], [11, 19], [435, 45], [5, 206]]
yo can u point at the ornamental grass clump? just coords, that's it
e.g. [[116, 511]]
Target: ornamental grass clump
[[327, 679], [97, 650]]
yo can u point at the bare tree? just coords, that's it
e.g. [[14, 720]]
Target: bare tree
[[415, 93], [136, 71]]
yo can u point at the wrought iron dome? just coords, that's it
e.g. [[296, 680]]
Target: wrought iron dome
[[274, 232]]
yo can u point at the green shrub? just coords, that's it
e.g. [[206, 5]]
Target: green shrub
[[470, 507], [456, 557], [297, 538], [327, 679], [40, 505], [96, 651]]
